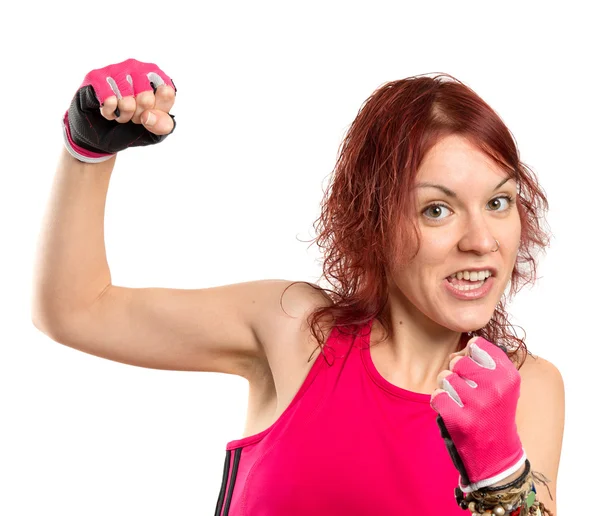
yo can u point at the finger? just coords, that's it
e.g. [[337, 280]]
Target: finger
[[435, 393], [165, 98], [482, 357], [462, 353], [157, 122], [441, 376], [141, 81], [144, 101], [444, 403], [122, 88], [498, 352], [454, 360], [107, 110], [126, 107], [456, 387]]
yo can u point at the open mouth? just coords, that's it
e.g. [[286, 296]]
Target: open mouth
[[466, 285], [470, 283]]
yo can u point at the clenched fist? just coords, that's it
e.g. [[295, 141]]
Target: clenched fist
[[477, 405], [119, 106]]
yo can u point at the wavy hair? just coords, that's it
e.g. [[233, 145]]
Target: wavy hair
[[370, 198]]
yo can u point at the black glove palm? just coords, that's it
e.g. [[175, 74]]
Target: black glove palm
[[92, 138]]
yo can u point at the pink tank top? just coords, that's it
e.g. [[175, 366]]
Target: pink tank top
[[349, 444]]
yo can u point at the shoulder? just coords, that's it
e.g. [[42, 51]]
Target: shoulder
[[284, 331], [301, 301], [288, 344], [541, 383], [538, 372], [305, 297], [284, 310]]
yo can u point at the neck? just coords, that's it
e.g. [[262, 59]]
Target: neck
[[414, 353]]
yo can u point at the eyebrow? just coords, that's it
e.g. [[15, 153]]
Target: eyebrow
[[449, 192]]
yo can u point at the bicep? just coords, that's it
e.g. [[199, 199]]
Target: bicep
[[209, 329]]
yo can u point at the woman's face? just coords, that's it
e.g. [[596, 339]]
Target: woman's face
[[459, 232]]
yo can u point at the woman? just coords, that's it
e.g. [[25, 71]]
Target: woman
[[420, 400]]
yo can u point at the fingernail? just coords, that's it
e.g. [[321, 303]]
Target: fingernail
[[150, 119]]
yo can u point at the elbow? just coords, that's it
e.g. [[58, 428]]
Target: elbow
[[49, 322]]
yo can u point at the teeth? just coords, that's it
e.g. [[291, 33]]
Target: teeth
[[468, 287], [472, 275]]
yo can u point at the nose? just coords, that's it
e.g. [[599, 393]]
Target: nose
[[478, 237]]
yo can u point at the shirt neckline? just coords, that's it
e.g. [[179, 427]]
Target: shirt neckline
[[365, 350]]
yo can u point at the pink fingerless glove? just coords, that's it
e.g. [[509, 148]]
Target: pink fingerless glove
[[477, 416], [90, 137]]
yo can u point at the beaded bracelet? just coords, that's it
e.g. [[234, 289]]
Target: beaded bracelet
[[514, 500], [500, 505]]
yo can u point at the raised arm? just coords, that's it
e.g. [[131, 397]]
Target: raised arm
[[219, 329]]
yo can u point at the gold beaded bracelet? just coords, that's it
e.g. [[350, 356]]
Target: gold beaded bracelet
[[514, 499]]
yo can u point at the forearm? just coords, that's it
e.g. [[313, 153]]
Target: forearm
[[71, 268]]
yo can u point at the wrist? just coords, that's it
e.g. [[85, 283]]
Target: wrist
[[77, 151], [511, 477], [502, 496]]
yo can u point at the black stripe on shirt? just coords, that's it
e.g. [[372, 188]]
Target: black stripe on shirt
[[236, 461]]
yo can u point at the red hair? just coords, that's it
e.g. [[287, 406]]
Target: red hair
[[369, 198]]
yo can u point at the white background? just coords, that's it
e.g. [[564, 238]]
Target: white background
[[266, 91]]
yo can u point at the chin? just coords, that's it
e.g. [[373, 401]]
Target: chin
[[467, 326]]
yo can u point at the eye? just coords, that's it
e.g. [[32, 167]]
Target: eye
[[435, 208], [509, 201]]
